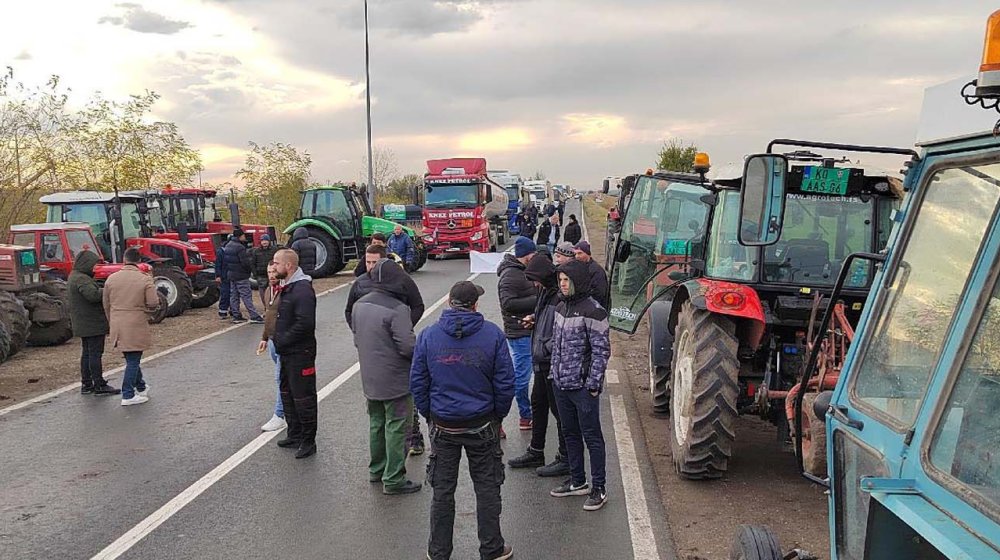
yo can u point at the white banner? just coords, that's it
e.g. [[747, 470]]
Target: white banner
[[484, 263]]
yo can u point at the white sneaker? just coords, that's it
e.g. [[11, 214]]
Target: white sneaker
[[137, 399], [144, 393], [274, 424]]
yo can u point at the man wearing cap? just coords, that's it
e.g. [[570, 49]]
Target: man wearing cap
[[462, 380], [564, 253], [517, 300], [239, 268], [260, 258], [599, 287]]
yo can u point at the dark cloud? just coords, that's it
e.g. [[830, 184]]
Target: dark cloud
[[414, 18], [136, 18]]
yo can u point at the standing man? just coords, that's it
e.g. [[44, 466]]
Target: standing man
[[600, 290], [401, 244], [239, 267], [260, 258], [295, 342], [272, 299], [564, 253], [86, 311], [581, 348], [383, 334], [129, 296], [517, 300], [462, 380], [305, 249], [222, 279], [572, 233]]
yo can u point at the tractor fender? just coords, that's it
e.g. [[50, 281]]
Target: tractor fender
[[310, 222], [747, 310], [661, 338]]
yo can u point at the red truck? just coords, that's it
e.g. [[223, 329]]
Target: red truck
[[463, 208]]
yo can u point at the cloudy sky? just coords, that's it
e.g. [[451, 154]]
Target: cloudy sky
[[578, 89]]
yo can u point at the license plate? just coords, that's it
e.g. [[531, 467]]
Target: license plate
[[825, 180]]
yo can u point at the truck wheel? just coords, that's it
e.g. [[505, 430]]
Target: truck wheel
[[173, 283], [329, 260], [15, 319], [205, 297], [703, 397], [813, 438], [659, 383], [50, 332], [4, 343], [754, 542], [157, 317]]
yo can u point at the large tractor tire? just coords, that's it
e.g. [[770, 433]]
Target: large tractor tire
[[659, 384], [4, 343], [755, 543], [176, 286], [704, 392], [329, 261], [813, 438], [205, 297], [55, 328], [421, 259], [15, 319], [160, 314]]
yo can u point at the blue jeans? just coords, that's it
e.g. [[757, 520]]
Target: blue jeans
[[279, 409], [520, 353], [580, 416], [133, 375]]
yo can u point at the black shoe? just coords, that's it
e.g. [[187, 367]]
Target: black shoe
[[408, 487], [106, 390], [570, 489], [305, 450], [86, 389], [238, 320], [257, 320], [289, 442], [224, 316], [598, 497], [559, 467], [531, 458]]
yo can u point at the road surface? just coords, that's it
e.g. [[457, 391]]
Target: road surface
[[189, 475]]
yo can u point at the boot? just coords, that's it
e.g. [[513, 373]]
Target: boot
[[531, 458], [558, 467]]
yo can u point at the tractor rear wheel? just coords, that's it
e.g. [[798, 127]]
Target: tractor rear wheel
[[4, 343], [205, 297], [421, 259], [157, 316], [329, 260], [659, 384], [813, 438], [56, 327], [15, 318], [176, 286], [703, 397], [754, 542]]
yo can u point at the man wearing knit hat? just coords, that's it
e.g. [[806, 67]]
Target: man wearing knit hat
[[599, 287], [517, 300], [564, 253]]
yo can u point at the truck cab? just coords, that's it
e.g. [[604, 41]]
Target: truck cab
[[464, 208]]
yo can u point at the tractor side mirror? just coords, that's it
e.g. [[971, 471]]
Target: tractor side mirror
[[624, 251], [822, 404], [762, 199]]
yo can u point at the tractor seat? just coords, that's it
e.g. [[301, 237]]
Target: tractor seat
[[805, 259]]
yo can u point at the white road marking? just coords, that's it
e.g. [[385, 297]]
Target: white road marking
[[160, 516], [639, 522], [611, 376], [111, 373]]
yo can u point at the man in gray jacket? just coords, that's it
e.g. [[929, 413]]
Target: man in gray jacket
[[383, 334]]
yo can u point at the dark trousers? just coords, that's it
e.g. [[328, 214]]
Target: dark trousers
[[486, 470], [298, 395], [543, 401], [91, 367], [224, 294], [581, 422], [240, 290]]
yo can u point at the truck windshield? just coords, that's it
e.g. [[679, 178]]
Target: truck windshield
[[452, 195], [513, 194]]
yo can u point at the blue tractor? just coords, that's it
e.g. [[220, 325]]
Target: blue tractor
[[912, 428]]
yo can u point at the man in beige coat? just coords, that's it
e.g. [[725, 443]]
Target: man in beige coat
[[129, 296]]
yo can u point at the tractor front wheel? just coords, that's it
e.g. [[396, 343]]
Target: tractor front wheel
[[156, 317], [329, 261], [14, 317], [205, 297], [755, 543], [659, 384], [703, 397], [4, 343], [176, 286]]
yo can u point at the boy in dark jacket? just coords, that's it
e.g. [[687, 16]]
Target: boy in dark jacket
[[517, 300], [383, 334], [305, 249], [239, 267], [581, 348], [260, 257], [86, 309], [542, 273], [462, 380]]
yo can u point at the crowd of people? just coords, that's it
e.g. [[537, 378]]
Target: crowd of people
[[462, 374]]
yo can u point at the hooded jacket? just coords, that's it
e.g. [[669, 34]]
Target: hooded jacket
[[86, 298], [305, 249], [581, 345], [401, 286], [572, 232], [517, 296], [541, 269], [599, 288], [260, 258], [295, 329], [238, 261], [462, 375], [383, 335]]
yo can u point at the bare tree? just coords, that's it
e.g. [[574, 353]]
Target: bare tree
[[385, 169]]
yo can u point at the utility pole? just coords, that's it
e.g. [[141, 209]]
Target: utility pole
[[368, 110]]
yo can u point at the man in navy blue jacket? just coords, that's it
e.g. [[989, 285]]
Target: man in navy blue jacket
[[462, 380]]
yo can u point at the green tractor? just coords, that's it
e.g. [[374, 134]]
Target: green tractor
[[340, 222]]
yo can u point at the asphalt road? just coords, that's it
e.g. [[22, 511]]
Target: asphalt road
[[79, 473]]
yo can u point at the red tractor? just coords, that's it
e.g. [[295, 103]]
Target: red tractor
[[192, 213], [33, 310], [120, 221]]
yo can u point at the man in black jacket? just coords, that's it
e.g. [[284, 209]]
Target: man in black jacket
[[572, 232], [517, 300], [295, 342], [239, 267], [305, 249], [260, 257], [599, 287]]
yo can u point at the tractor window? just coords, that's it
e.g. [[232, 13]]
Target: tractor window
[[331, 203], [52, 248], [818, 234], [79, 240], [918, 307], [965, 443], [725, 258], [24, 239], [130, 221], [93, 214], [187, 212]]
